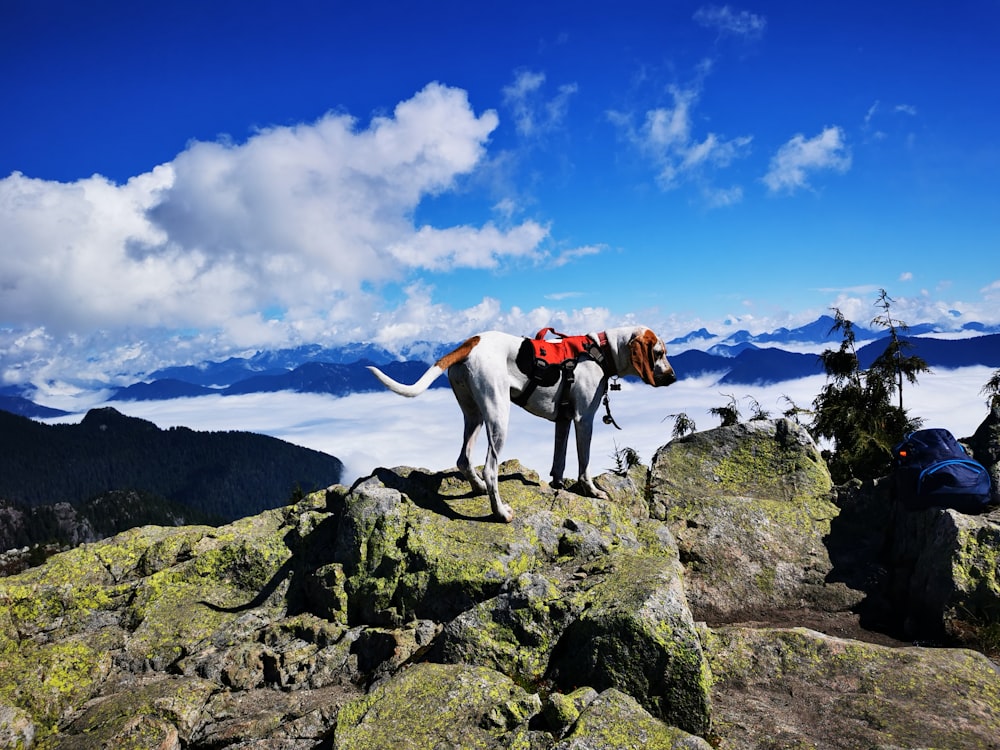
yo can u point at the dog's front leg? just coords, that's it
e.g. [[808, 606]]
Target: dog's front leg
[[584, 433], [559, 453]]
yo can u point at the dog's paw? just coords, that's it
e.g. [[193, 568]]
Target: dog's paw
[[503, 512], [589, 489]]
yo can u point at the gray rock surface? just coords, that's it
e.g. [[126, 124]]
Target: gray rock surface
[[397, 612]]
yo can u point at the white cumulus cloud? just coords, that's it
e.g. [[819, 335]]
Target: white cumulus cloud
[[801, 157], [286, 237]]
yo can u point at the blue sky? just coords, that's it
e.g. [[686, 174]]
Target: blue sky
[[185, 180]]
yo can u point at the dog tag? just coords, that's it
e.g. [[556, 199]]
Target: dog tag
[[616, 386]]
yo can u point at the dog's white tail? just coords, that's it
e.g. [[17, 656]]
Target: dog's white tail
[[459, 354], [409, 391]]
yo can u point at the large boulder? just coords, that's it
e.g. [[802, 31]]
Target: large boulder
[[945, 573], [634, 632], [796, 688], [750, 507]]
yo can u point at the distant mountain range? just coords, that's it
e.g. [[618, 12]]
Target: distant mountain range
[[23, 407], [737, 358], [311, 377], [754, 365]]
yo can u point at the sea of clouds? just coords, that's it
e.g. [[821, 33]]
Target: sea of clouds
[[369, 430]]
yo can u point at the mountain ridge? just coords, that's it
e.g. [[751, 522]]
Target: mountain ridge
[[739, 357], [223, 474]]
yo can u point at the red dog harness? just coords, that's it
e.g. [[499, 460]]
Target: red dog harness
[[544, 361]]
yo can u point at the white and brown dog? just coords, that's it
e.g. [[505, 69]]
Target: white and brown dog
[[485, 377]]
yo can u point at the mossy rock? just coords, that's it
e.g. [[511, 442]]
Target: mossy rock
[[800, 688], [750, 508], [946, 571], [162, 712], [140, 600], [615, 721], [513, 632], [430, 706], [774, 459], [634, 632], [411, 547], [17, 730], [574, 590]]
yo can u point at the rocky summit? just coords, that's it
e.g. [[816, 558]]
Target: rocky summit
[[727, 596]]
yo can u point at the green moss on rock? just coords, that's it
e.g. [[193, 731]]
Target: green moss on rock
[[635, 633], [615, 721], [141, 598], [404, 560], [162, 712], [430, 704], [776, 459], [947, 568], [750, 507]]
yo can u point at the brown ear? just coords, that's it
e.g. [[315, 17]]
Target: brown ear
[[641, 354]]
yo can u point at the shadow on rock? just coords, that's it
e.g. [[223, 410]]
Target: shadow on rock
[[430, 491]]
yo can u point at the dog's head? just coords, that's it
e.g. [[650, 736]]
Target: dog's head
[[649, 358]]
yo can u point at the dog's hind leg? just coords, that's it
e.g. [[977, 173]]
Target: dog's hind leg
[[496, 409], [472, 416], [559, 453], [472, 424]]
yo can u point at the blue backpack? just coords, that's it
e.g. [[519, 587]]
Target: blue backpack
[[932, 470]]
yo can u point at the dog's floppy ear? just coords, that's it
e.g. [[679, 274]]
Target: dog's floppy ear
[[641, 354]]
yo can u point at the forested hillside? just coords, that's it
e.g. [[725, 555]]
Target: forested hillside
[[222, 474], [45, 529]]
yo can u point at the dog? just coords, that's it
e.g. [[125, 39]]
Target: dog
[[485, 378]]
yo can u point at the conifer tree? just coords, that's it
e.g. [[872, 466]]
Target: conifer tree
[[992, 390], [855, 408], [893, 362]]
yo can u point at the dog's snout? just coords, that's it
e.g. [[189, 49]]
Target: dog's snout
[[668, 377]]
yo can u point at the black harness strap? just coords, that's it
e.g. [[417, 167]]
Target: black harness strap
[[539, 372], [565, 410]]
